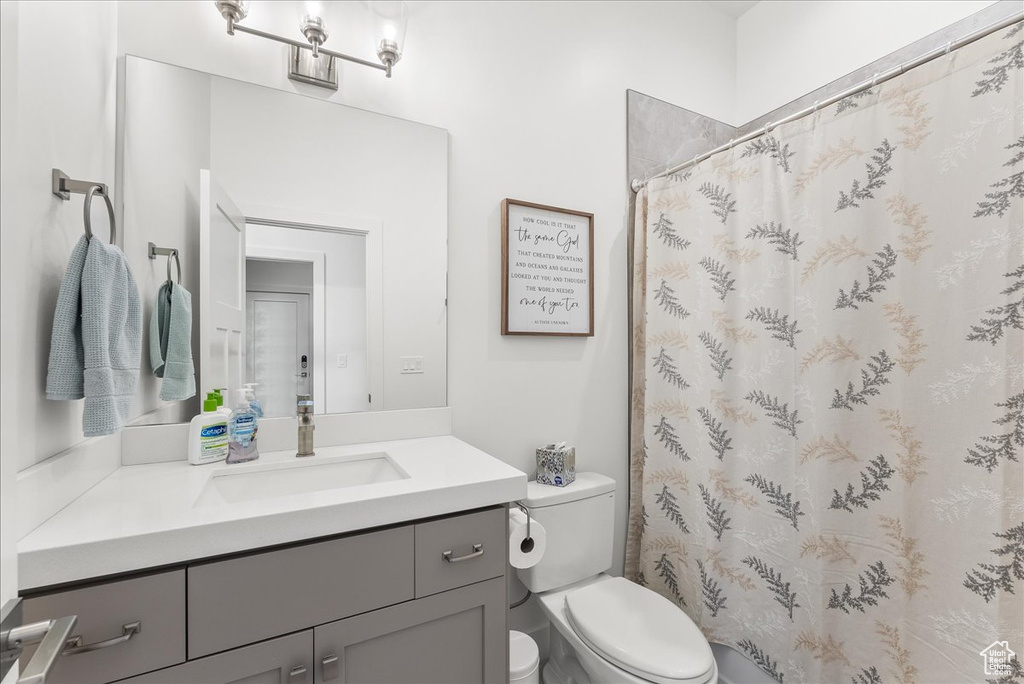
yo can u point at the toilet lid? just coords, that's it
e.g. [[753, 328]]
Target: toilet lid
[[640, 631]]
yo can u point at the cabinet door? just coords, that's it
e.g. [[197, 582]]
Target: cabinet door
[[258, 596], [131, 626], [286, 660], [455, 637]]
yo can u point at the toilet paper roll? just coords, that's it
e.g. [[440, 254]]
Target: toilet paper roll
[[523, 552]]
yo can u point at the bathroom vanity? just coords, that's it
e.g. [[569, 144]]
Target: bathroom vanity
[[411, 588]]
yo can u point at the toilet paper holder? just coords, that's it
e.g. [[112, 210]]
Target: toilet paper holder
[[526, 546]]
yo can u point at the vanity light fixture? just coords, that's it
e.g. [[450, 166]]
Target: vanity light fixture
[[309, 62]]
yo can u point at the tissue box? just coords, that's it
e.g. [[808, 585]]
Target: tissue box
[[556, 465]]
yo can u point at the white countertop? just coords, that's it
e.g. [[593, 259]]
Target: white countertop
[[146, 516]]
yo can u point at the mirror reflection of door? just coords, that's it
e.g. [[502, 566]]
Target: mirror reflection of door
[[330, 265], [279, 332]]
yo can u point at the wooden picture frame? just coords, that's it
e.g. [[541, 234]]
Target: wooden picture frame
[[546, 270]]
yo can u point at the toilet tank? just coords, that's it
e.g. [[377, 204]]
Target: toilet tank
[[580, 523]]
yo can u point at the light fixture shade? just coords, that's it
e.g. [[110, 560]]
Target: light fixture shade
[[312, 24], [390, 18], [308, 8], [232, 10]]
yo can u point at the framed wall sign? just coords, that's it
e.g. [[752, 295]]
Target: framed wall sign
[[547, 270]]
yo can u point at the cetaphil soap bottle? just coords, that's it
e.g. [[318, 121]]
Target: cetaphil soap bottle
[[208, 436], [242, 428]]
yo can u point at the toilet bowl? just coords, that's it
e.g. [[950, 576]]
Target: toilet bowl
[[605, 630]]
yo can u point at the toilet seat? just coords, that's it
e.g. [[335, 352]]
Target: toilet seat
[[640, 631]]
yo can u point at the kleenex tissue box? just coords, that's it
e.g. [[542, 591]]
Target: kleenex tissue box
[[556, 464]]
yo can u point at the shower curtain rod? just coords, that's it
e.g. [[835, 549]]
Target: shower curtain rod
[[636, 184]]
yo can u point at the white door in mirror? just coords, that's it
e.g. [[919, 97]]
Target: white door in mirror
[[222, 288]]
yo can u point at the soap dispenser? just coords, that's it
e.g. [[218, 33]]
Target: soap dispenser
[[242, 428], [208, 435], [254, 402]]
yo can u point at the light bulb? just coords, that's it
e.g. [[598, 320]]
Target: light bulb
[[312, 25], [390, 19]]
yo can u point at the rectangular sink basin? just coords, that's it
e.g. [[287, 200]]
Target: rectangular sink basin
[[235, 484]]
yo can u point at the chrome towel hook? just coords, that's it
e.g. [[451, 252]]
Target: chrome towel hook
[[170, 253]]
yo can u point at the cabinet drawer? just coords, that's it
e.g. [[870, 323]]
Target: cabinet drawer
[[156, 602], [242, 600], [287, 660], [455, 637], [474, 543]]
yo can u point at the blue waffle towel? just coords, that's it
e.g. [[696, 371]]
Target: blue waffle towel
[[96, 344], [170, 342]]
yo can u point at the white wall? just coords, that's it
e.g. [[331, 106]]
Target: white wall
[[787, 48], [58, 111]]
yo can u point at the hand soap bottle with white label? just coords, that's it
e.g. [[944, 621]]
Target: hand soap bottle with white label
[[208, 436], [242, 429]]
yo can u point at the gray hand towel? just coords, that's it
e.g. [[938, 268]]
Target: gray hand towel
[[170, 342], [96, 346]]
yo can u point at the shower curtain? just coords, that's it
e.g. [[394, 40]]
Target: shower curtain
[[828, 383]]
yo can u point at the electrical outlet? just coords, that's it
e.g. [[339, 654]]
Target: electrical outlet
[[342, 360], [412, 364]]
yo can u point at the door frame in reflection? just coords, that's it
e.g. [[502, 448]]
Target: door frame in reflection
[[373, 232]]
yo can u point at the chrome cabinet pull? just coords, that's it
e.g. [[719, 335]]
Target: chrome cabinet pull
[[478, 550], [74, 644], [297, 675], [331, 668]]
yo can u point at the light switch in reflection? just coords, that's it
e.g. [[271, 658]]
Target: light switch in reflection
[[412, 364], [342, 360]]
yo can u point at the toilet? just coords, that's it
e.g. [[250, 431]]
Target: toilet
[[605, 630]]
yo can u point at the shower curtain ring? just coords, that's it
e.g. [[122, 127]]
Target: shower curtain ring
[[732, 141], [874, 79], [949, 47], [816, 103]]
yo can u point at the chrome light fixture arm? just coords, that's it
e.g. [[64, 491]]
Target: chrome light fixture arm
[[315, 32], [306, 46]]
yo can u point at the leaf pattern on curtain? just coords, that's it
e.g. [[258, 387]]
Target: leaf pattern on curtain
[[828, 382]]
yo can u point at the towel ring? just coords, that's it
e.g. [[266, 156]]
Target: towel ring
[[110, 213], [177, 262]]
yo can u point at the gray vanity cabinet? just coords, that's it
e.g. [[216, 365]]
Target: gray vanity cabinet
[[286, 660], [419, 603], [456, 637]]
